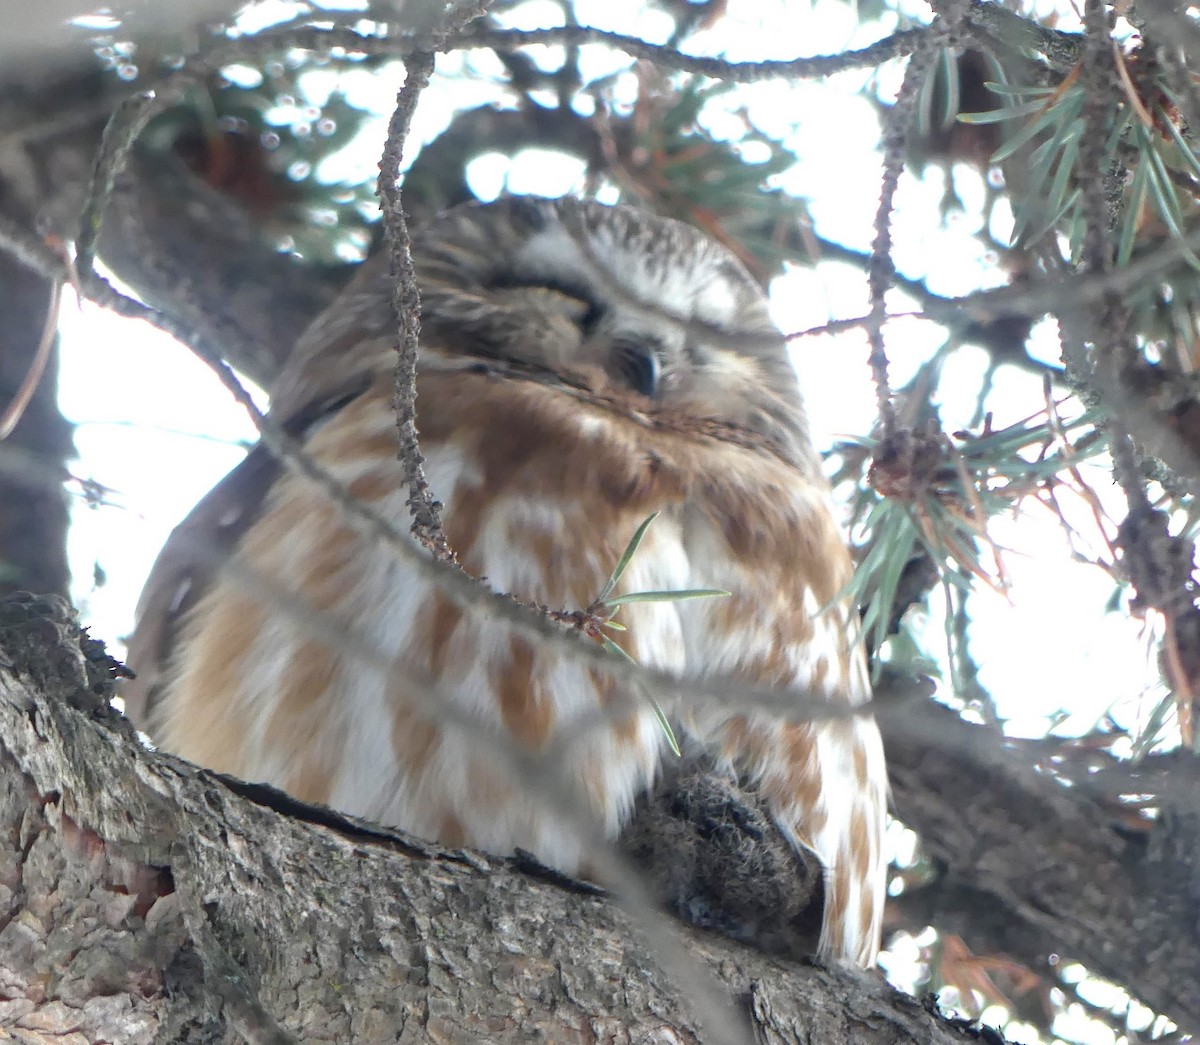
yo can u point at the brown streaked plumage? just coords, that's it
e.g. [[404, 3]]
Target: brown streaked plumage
[[580, 367]]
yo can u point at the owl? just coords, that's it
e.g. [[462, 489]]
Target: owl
[[581, 367]]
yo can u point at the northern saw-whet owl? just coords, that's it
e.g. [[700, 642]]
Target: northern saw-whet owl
[[580, 367]]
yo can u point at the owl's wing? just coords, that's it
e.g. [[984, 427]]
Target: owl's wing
[[206, 538], [183, 571], [334, 362]]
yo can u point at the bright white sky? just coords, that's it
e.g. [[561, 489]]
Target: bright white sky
[[157, 428]]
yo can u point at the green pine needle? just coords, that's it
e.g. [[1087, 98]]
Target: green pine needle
[[620, 651], [626, 557], [663, 722], [666, 596], [606, 604]]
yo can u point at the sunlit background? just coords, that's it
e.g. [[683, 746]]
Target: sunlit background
[[155, 429]]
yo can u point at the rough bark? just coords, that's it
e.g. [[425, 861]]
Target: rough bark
[[1032, 867], [143, 900]]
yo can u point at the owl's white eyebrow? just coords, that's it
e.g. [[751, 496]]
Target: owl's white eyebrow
[[565, 244], [570, 288]]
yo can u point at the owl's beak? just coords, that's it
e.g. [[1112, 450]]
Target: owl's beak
[[640, 369]]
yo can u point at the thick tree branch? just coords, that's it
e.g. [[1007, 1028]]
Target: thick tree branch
[[183, 246], [238, 914], [1034, 868], [209, 265]]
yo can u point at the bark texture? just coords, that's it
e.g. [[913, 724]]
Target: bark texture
[[143, 900]]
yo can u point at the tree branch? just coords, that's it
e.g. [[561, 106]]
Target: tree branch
[[1034, 868], [204, 261], [230, 909]]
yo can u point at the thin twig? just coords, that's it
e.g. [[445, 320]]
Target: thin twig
[[406, 303], [121, 131], [329, 39], [842, 326], [15, 410], [882, 268], [331, 35], [895, 46]]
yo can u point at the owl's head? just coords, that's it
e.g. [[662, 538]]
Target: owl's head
[[611, 300]]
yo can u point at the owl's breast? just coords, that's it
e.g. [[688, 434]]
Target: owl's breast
[[542, 495]]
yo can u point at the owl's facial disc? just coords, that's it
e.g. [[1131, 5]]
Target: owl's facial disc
[[615, 302], [589, 343]]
